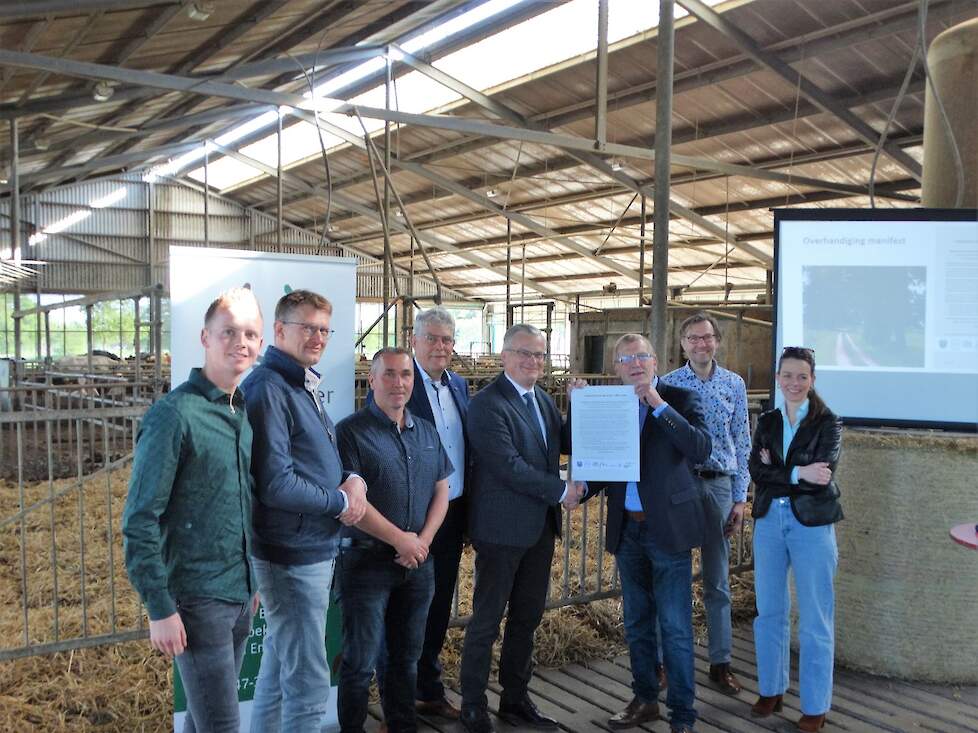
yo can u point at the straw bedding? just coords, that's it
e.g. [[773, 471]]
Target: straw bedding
[[127, 686]]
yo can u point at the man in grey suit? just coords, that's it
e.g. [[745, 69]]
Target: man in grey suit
[[513, 520]]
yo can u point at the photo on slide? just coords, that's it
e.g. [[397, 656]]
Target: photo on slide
[[865, 316]]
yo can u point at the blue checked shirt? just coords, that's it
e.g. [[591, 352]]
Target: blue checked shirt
[[724, 398]]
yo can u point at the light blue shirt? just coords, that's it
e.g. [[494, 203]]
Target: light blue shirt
[[633, 502], [448, 423], [724, 399], [788, 433]]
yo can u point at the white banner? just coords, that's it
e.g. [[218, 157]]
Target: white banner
[[197, 276]]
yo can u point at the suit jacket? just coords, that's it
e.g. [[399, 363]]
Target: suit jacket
[[817, 439], [515, 486], [670, 445]]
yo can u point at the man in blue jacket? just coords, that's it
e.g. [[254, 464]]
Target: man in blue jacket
[[302, 498]]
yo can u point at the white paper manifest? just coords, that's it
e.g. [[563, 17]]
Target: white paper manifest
[[605, 434]]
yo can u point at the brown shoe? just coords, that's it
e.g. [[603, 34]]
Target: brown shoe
[[723, 679], [437, 708], [766, 705], [636, 713], [811, 723]]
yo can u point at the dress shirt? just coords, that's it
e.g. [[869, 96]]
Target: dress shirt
[[633, 502], [788, 433], [724, 398], [536, 408], [448, 422]]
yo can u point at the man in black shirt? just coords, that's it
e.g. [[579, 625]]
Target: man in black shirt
[[386, 581]]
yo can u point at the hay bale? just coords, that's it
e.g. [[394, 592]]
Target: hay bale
[[906, 594]]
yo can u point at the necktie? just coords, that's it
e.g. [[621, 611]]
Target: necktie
[[531, 410]]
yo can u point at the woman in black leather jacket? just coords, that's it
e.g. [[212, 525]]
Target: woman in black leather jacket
[[796, 504]]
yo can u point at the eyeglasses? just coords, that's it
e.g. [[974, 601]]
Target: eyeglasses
[[432, 339], [705, 339], [309, 330], [629, 358], [524, 354]]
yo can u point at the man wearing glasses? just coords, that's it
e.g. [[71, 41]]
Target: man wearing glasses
[[653, 524], [723, 478], [302, 498], [442, 397], [514, 493]]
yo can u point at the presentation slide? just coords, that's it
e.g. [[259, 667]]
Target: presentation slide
[[888, 299]]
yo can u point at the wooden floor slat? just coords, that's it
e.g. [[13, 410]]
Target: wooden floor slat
[[583, 696]]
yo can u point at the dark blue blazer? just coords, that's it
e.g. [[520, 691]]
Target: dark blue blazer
[[670, 445], [515, 485]]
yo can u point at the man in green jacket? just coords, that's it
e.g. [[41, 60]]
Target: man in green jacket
[[188, 514]]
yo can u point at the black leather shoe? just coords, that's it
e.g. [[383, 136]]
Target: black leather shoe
[[476, 720], [636, 713], [525, 712], [723, 679], [681, 729]]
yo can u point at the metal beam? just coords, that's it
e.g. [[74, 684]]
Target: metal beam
[[661, 203], [581, 149], [27, 8], [353, 205], [172, 82], [111, 161], [805, 87], [601, 76]]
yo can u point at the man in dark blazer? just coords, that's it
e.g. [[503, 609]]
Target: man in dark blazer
[[441, 396], [653, 524], [514, 493]]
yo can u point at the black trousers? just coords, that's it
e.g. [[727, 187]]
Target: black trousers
[[446, 554], [519, 576]]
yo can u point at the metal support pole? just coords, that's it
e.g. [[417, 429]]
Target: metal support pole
[[641, 257], [150, 233], [509, 270], [278, 181], [15, 241], [663, 145], [387, 198], [601, 117], [207, 196]]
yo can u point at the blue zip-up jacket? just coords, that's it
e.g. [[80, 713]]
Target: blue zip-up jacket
[[296, 466]]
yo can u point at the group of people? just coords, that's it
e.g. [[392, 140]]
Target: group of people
[[248, 491]]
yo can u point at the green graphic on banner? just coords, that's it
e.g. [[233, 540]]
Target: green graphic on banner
[[252, 658]]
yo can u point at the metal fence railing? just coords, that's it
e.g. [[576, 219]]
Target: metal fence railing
[[66, 454]]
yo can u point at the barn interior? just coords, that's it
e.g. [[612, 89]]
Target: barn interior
[[591, 167]]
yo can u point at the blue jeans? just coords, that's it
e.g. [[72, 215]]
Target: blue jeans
[[782, 542], [717, 501], [216, 636], [381, 600], [656, 583], [293, 682]]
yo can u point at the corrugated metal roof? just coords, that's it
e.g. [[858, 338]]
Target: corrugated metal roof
[[726, 108]]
